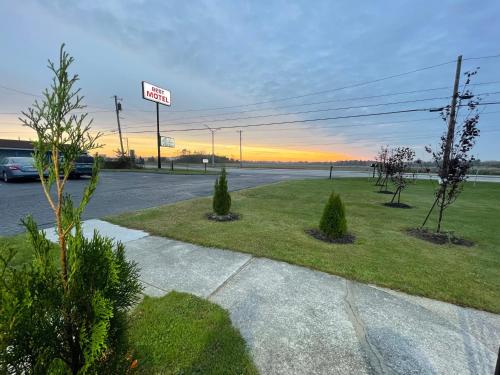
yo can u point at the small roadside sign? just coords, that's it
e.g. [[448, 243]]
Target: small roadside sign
[[205, 161], [167, 142]]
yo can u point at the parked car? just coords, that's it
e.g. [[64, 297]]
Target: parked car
[[14, 168], [83, 166]]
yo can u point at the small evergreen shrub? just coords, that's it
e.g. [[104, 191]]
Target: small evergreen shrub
[[333, 222], [47, 328], [222, 200]]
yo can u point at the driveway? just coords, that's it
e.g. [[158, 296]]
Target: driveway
[[299, 321]]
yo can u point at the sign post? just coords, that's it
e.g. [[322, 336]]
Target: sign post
[[159, 96], [205, 162]]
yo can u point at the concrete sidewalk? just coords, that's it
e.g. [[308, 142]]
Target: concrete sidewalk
[[299, 321]]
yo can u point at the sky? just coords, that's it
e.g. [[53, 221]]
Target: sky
[[230, 64]]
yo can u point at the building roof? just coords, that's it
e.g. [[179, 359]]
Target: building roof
[[15, 144]]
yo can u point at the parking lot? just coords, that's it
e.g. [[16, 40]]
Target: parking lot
[[118, 192]]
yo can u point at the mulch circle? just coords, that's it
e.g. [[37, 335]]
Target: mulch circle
[[396, 205], [229, 217], [385, 192], [347, 239], [438, 238]]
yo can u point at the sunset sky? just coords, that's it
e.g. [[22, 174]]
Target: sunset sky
[[230, 64]]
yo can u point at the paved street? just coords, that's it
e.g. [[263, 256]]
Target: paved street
[[118, 192], [299, 321], [127, 191]]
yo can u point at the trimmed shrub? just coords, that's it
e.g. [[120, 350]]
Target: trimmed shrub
[[222, 200], [333, 222]]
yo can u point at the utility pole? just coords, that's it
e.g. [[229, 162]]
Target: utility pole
[[451, 122], [118, 108], [448, 146], [241, 157], [212, 130]]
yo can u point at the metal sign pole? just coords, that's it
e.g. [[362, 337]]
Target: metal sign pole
[[158, 133]]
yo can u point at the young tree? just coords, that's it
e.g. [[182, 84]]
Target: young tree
[[222, 200], [333, 222], [380, 161], [453, 170], [399, 162], [70, 317]]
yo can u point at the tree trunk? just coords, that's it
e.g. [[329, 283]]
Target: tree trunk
[[430, 211], [441, 210]]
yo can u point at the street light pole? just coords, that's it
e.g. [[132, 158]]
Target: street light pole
[[213, 147], [241, 155]]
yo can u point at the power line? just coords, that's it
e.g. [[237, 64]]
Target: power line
[[297, 121], [311, 103], [321, 92], [303, 112], [133, 125], [483, 57], [311, 120]]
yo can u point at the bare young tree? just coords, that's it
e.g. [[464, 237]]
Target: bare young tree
[[399, 161], [380, 161], [453, 172]]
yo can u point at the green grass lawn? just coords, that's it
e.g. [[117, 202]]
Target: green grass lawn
[[183, 334], [274, 219]]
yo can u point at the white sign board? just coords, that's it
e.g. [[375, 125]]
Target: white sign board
[[205, 161], [155, 93], [167, 142]]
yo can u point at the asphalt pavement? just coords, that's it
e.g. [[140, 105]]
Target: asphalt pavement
[[120, 192]]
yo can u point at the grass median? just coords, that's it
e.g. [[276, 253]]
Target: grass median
[[274, 219]]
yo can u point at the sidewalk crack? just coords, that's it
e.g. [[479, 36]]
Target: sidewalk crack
[[373, 356], [236, 272]]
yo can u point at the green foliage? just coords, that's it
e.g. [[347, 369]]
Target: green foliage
[[68, 317], [193, 336], [45, 329], [222, 199], [333, 222]]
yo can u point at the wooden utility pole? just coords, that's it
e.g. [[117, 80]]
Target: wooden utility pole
[[451, 123], [241, 154], [445, 171], [118, 108]]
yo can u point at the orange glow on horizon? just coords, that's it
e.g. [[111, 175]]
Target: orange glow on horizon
[[145, 146]]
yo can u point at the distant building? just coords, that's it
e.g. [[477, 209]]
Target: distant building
[[12, 147]]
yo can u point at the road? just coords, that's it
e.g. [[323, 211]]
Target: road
[[127, 191], [118, 192]]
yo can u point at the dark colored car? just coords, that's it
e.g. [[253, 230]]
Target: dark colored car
[[83, 166], [17, 168]]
